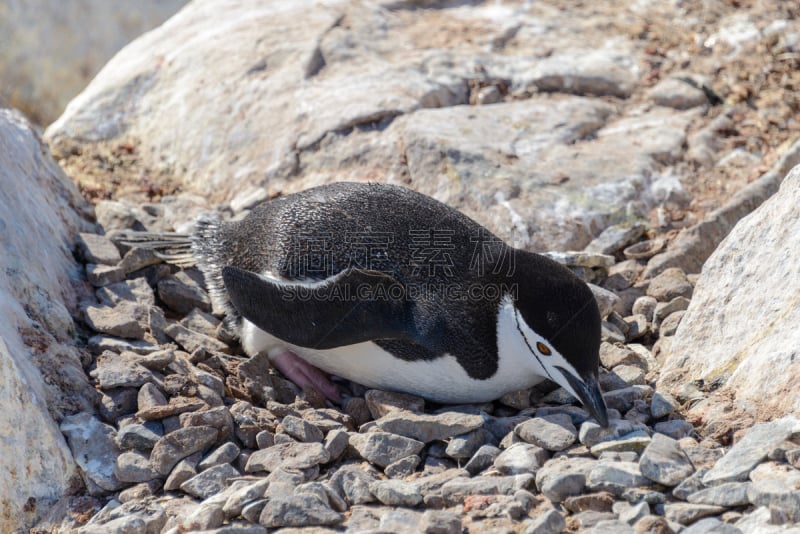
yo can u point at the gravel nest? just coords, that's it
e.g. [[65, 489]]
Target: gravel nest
[[191, 435]]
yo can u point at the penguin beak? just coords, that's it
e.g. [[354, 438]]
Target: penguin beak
[[588, 392]]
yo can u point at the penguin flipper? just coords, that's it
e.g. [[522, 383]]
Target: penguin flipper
[[351, 307]]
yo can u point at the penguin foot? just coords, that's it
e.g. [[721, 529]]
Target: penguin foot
[[306, 376]]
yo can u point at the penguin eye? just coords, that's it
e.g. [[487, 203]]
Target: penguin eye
[[544, 349]]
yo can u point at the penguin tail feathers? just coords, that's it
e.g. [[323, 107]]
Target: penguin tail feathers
[[172, 248]]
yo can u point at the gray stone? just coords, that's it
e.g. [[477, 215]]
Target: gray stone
[[200, 321], [440, 522], [103, 275], [138, 258], [396, 493], [141, 437], [691, 485], [563, 477], [465, 445], [615, 238], [669, 284], [521, 458], [252, 511], [612, 355], [482, 459], [97, 249], [776, 493], [381, 402], [615, 477], [631, 375], [101, 343], [622, 400], [384, 448], [251, 492], [676, 93], [728, 495], [662, 404], [645, 306], [351, 482], [599, 502], [134, 516], [335, 443], [635, 442], [116, 403], [665, 309], [94, 448], [553, 432], [711, 525], [403, 467], [301, 429], [610, 525], [631, 513], [606, 300], [665, 462], [149, 396], [548, 522], [204, 518], [455, 490], [588, 519], [670, 324], [117, 371], [175, 446], [676, 429], [182, 294], [750, 451], [134, 467], [223, 454], [686, 513], [183, 471], [298, 511], [591, 433], [292, 455], [427, 428], [209, 482], [191, 341]]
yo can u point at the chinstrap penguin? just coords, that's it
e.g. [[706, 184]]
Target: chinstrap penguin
[[392, 289]]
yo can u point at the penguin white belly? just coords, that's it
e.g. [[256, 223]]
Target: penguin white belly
[[440, 380]]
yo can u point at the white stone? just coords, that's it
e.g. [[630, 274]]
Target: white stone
[[37, 225], [741, 325]]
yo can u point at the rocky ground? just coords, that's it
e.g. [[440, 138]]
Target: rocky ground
[[191, 435]]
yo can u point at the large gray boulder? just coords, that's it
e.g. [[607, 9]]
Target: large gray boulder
[[52, 49], [41, 377], [237, 101], [741, 328]]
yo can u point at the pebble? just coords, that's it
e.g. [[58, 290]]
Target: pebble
[[383, 448], [729, 494], [352, 482], [483, 458], [711, 525], [552, 432], [396, 493], [670, 324], [291, 455], [599, 502], [455, 490], [662, 404], [645, 306], [549, 522], [671, 283], [94, 449], [521, 458], [335, 443], [403, 467], [687, 513], [750, 450], [777, 493], [592, 433], [298, 511], [205, 517], [631, 513], [381, 403], [622, 400], [244, 495], [652, 524], [676, 429], [132, 516], [175, 446], [615, 477], [426, 427], [301, 429], [465, 445], [563, 477], [209, 482], [663, 461], [103, 275], [192, 341], [634, 443], [223, 454], [134, 467], [97, 249], [118, 371], [182, 294], [440, 522], [665, 309], [586, 520], [141, 437]]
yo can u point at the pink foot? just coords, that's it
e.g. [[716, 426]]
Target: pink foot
[[305, 375]]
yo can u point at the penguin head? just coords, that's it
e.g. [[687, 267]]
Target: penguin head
[[556, 320]]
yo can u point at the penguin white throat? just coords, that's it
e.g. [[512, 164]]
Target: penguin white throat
[[531, 356]]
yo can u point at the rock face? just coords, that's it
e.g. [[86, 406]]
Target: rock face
[[37, 223], [48, 56], [329, 101], [743, 317]]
